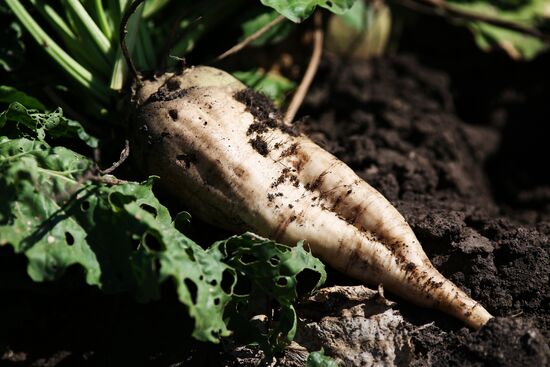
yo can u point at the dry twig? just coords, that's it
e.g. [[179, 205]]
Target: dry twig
[[254, 36], [123, 156], [301, 92]]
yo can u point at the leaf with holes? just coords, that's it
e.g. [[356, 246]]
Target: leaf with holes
[[121, 236], [33, 123], [269, 275], [298, 10]]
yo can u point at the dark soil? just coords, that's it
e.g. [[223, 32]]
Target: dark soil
[[394, 122]]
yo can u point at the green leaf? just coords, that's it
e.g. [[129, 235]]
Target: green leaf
[[120, 235], [517, 45], [298, 10], [276, 273], [529, 13], [275, 34], [319, 359], [9, 94], [275, 86], [40, 125]]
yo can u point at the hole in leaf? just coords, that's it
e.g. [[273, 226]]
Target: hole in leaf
[[152, 242], [148, 208], [217, 301], [118, 200], [228, 281], [85, 205], [214, 282], [192, 288], [329, 4], [190, 253], [243, 285], [306, 280], [274, 260], [69, 238], [248, 259], [42, 147], [282, 282]]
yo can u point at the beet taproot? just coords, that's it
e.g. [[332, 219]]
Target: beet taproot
[[227, 155]]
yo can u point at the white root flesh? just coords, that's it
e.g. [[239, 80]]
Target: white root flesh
[[239, 173]]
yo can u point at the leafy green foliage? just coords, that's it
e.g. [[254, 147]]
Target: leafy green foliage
[[275, 86], [270, 275], [298, 10], [9, 94], [120, 235], [59, 214], [38, 124], [319, 359], [529, 13], [125, 241]]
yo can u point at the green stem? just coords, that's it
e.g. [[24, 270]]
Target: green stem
[[147, 46], [140, 59], [113, 13], [102, 18], [120, 68], [87, 57], [54, 20], [101, 41], [80, 74]]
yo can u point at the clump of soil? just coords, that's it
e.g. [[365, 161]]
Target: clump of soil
[[264, 112], [266, 117], [394, 123]]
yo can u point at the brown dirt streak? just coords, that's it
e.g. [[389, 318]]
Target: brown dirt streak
[[282, 226]]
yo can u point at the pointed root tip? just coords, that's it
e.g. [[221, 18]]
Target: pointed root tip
[[476, 317]]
